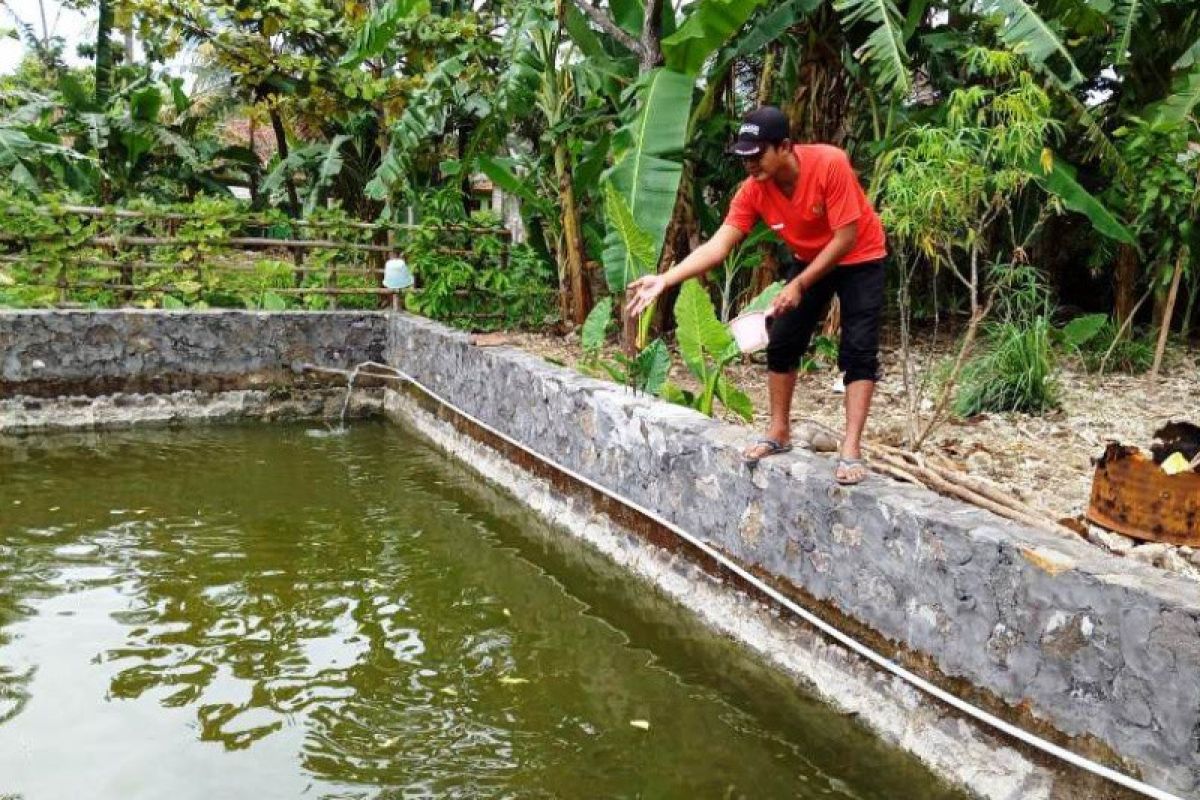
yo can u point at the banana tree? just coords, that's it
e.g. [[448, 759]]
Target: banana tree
[[32, 159], [1151, 50], [543, 75], [649, 147]]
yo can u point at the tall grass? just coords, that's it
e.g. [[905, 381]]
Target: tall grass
[[1015, 369], [1015, 372]]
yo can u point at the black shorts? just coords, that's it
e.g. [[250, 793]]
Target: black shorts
[[860, 288]]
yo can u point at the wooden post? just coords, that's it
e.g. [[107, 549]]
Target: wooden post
[[1168, 312], [391, 243], [331, 283]]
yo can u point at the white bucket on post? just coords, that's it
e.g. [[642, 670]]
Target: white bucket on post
[[396, 274]]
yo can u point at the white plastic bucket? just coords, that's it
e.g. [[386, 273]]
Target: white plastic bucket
[[396, 274], [750, 331]]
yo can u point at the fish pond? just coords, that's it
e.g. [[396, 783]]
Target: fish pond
[[259, 611]]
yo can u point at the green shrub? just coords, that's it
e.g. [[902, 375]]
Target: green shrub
[[478, 290], [1133, 354]]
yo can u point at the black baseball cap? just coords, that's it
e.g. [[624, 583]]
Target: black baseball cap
[[762, 126]]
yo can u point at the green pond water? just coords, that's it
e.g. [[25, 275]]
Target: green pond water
[[261, 612]]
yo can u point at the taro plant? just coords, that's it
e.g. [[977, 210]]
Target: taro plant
[[645, 372], [707, 348]]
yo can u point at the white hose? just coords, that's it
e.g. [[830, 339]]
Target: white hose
[[861, 649]]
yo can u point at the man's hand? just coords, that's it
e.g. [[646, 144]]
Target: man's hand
[[787, 299], [645, 290]]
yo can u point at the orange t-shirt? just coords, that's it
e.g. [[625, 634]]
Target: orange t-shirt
[[827, 196]]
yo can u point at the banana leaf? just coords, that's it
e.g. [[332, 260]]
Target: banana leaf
[[628, 14], [647, 172], [1059, 180], [1178, 107], [706, 28], [1029, 34], [884, 49]]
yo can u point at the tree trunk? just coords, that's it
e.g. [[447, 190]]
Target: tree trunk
[[293, 198], [820, 105], [682, 237], [464, 134], [45, 28], [282, 146], [682, 227], [1193, 294], [651, 43], [572, 256], [104, 26], [253, 176], [766, 78], [1125, 288]]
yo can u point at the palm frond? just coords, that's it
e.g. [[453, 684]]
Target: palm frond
[[1100, 144], [330, 165], [179, 146], [1189, 57]]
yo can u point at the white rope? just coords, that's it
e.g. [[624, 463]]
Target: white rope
[[861, 649]]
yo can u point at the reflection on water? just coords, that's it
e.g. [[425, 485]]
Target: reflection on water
[[256, 612]]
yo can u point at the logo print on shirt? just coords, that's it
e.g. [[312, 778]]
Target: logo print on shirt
[[818, 209]]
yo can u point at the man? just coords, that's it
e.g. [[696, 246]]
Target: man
[[810, 197]]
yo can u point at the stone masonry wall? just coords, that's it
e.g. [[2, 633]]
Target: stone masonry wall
[[55, 353], [1094, 645]]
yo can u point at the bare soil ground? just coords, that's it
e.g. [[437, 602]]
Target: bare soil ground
[[1047, 460]]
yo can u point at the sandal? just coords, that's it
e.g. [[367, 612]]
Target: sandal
[[850, 471], [773, 448]]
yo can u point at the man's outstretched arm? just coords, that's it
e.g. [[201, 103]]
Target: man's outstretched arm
[[646, 290]]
